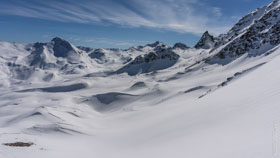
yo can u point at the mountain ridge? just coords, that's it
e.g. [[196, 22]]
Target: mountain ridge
[[145, 101]]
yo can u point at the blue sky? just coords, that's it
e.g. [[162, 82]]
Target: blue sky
[[119, 23]]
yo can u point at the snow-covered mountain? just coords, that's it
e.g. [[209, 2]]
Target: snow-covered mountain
[[218, 99], [207, 41], [255, 34], [161, 57]]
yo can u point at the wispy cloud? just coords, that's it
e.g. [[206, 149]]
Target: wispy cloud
[[186, 16], [113, 43], [217, 11], [98, 42]]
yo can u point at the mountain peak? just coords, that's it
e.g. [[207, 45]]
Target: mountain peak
[[57, 39], [155, 44], [158, 59], [61, 47], [206, 33], [180, 46], [207, 41], [254, 34]]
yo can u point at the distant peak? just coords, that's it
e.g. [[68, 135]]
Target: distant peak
[[206, 41], [56, 39], [61, 47], [157, 43], [180, 46], [206, 33]]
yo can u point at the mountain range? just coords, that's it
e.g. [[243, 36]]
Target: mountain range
[[219, 98]]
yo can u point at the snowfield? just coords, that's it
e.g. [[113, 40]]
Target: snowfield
[[113, 117], [219, 99]]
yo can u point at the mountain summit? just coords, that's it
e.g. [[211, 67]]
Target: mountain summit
[[255, 34], [207, 41], [62, 48]]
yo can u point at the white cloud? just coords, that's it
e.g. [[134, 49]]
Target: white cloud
[[115, 43], [184, 16], [217, 11]]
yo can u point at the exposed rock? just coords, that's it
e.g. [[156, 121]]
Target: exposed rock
[[62, 48], [97, 54], [207, 41], [19, 144], [180, 46], [261, 34], [158, 60], [86, 49]]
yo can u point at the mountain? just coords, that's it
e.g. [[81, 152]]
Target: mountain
[[254, 34], [43, 54], [180, 46], [218, 99], [47, 58], [64, 49], [207, 41], [160, 59]]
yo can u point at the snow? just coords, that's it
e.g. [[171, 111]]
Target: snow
[[195, 106], [148, 115]]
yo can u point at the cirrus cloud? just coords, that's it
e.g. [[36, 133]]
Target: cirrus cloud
[[185, 16]]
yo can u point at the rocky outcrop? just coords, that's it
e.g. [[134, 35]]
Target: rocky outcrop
[[180, 46], [97, 54], [261, 34], [153, 61], [207, 41], [62, 48]]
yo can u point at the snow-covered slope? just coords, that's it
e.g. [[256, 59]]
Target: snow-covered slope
[[255, 34], [219, 99], [159, 59]]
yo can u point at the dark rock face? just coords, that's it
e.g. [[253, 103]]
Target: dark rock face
[[241, 26], [263, 34], [19, 144], [180, 46], [86, 49], [152, 56], [97, 54], [157, 46], [207, 41], [153, 61], [61, 47], [154, 44]]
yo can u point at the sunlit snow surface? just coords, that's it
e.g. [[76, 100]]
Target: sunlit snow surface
[[150, 101], [191, 109]]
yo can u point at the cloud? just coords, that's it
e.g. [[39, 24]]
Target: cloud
[[114, 43], [183, 16], [217, 11]]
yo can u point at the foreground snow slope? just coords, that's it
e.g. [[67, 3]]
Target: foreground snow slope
[[239, 120]]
